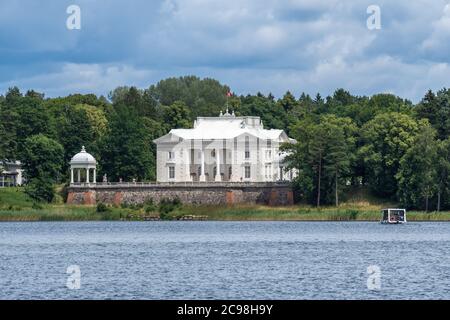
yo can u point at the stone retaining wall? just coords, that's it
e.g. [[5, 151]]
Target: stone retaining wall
[[207, 194]]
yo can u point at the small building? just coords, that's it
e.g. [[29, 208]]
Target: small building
[[85, 167], [11, 173], [226, 148]]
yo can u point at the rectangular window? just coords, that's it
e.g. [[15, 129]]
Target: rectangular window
[[171, 155], [247, 154], [247, 172], [171, 172], [268, 154]]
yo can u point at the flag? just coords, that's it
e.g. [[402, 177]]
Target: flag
[[229, 94]]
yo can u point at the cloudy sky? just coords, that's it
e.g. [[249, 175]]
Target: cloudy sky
[[251, 45]]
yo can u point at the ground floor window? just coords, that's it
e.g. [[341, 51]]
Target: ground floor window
[[247, 173], [172, 172], [268, 171]]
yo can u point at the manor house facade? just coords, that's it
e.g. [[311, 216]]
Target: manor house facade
[[226, 148]]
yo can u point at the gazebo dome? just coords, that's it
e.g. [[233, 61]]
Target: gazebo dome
[[83, 158]]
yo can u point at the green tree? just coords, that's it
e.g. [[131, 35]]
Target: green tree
[[298, 158], [436, 108], [322, 156], [125, 150], [417, 176], [176, 116], [341, 146], [21, 117], [443, 171], [385, 140], [273, 116], [42, 163], [203, 97], [76, 129], [288, 102]]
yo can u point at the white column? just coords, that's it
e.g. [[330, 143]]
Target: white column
[[71, 175], [202, 166], [218, 177], [95, 175], [187, 150], [87, 175]]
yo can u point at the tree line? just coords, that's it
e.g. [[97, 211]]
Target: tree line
[[397, 149]]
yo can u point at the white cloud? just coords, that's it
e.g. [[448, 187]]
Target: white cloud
[[440, 37], [83, 78], [310, 45]]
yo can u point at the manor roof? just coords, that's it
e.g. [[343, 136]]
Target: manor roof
[[225, 126]]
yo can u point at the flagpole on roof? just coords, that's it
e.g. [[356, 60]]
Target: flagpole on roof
[[228, 97]]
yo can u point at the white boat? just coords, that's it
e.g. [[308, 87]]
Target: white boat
[[393, 216]]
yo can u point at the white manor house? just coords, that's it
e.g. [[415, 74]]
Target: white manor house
[[226, 148]]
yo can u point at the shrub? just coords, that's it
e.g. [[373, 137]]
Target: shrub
[[149, 202], [353, 214], [176, 202], [166, 206], [40, 189], [64, 192], [36, 206], [110, 216], [149, 206], [101, 208]]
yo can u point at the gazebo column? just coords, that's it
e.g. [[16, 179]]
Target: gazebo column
[[95, 176], [218, 177], [71, 175], [87, 175], [202, 166]]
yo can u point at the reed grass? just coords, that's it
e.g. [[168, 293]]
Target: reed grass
[[15, 205]]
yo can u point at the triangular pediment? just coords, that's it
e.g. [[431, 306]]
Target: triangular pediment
[[168, 138]]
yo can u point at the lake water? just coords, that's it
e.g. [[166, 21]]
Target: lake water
[[224, 260]]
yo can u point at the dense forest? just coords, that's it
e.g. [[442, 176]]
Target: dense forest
[[400, 150]]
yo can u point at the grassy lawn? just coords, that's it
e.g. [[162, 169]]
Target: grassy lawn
[[15, 205]]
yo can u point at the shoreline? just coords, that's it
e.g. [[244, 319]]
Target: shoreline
[[15, 206], [64, 213], [143, 221]]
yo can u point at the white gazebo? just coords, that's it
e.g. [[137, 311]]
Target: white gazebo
[[83, 161]]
